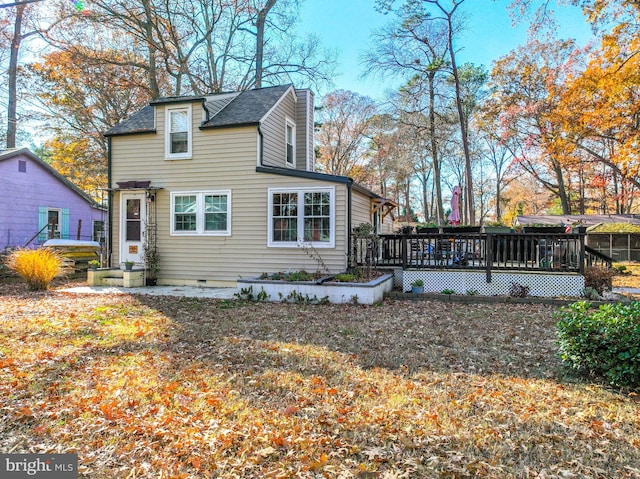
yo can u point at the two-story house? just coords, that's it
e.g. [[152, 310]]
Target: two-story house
[[224, 186]]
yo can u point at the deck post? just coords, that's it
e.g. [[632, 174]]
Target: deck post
[[583, 236], [404, 251], [489, 258]]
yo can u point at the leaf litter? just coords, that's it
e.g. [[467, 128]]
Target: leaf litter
[[149, 387]]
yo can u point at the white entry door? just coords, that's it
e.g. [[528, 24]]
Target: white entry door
[[133, 215]]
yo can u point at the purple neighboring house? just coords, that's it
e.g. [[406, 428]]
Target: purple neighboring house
[[37, 203]]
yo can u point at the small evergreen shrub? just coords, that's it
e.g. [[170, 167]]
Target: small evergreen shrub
[[604, 342], [600, 279], [38, 267]]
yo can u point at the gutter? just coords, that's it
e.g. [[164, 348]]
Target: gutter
[[110, 199], [261, 148]]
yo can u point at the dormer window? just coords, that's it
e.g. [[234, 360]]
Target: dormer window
[[290, 135], [178, 132]]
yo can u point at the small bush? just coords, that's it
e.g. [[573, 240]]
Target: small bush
[[38, 267], [600, 279], [518, 291], [603, 342], [346, 278]]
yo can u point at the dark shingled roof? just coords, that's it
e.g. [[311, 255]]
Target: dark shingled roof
[[248, 108], [142, 121], [226, 109]]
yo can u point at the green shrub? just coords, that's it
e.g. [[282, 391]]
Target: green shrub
[[345, 278], [600, 279], [604, 342], [38, 267]]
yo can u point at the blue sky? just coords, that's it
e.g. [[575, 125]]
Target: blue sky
[[346, 25]]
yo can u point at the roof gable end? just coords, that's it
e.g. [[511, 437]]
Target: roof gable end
[[25, 152]]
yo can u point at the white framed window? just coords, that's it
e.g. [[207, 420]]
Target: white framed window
[[178, 132], [290, 140], [201, 213], [301, 215]]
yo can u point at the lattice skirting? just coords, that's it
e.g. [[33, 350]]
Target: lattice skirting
[[475, 282]]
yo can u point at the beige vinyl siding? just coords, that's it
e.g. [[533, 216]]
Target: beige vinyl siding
[[273, 131], [387, 225], [304, 130], [223, 159], [360, 209]]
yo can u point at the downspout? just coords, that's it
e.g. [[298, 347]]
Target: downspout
[[207, 113], [349, 185], [110, 200], [261, 147]]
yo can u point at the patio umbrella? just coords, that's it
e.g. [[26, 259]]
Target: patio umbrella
[[454, 216]]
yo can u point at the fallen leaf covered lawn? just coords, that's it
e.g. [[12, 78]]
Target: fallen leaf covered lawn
[[161, 387]]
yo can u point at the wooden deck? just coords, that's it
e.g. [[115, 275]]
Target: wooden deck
[[553, 252]]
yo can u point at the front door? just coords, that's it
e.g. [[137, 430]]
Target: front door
[[132, 223]]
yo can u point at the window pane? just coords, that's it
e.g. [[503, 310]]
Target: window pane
[[185, 222], [317, 229], [185, 204], [215, 221], [215, 203], [317, 216], [215, 217], [290, 143], [285, 229], [133, 230], [179, 132], [179, 121], [289, 153], [179, 143], [285, 217], [185, 213]]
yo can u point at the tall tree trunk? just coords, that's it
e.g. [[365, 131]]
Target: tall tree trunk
[[260, 27], [562, 190], [468, 179], [151, 51], [12, 120], [434, 148]]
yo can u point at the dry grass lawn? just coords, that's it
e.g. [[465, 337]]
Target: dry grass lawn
[[630, 278], [158, 387]]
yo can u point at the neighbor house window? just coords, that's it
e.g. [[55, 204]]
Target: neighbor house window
[[178, 132], [290, 134], [22, 166], [298, 216], [201, 213]]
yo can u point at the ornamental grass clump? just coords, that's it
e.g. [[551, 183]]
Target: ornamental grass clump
[[38, 267], [603, 342]]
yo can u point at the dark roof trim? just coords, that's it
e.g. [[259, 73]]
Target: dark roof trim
[[312, 175], [6, 155], [234, 125], [129, 133], [177, 99]]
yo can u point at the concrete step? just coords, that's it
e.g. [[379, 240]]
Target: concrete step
[[111, 281], [116, 277]]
